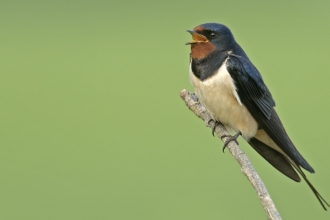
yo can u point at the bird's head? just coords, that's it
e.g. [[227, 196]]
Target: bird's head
[[208, 38]]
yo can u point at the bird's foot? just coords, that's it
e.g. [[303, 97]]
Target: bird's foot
[[216, 123], [195, 97], [230, 139]]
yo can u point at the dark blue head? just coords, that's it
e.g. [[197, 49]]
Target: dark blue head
[[209, 37]]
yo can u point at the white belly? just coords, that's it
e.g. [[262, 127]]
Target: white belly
[[218, 95]]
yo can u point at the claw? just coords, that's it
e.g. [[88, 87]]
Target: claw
[[230, 139], [216, 123]]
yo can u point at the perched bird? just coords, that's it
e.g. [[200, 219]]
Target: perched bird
[[232, 90]]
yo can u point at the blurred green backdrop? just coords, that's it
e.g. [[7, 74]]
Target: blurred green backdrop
[[92, 126]]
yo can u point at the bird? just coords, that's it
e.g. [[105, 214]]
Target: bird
[[234, 94]]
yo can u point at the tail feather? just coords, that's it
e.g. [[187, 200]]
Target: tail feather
[[316, 193], [275, 158], [285, 166]]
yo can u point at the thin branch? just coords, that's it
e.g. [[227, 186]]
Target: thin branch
[[247, 169]]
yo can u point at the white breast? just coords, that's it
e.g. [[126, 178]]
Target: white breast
[[218, 95]]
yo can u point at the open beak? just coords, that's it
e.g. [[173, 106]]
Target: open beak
[[197, 38]]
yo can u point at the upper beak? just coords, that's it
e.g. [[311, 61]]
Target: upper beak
[[197, 38]]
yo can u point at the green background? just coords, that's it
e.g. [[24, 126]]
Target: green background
[[92, 126]]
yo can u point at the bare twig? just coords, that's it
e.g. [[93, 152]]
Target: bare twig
[[246, 167]]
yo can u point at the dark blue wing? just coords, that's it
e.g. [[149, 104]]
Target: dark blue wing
[[244, 73], [255, 95]]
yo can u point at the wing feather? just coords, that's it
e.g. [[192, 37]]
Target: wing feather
[[255, 95]]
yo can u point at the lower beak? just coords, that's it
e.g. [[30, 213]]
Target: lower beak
[[197, 38]]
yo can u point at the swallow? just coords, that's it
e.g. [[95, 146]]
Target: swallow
[[233, 92]]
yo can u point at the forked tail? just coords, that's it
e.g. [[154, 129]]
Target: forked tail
[[316, 193]]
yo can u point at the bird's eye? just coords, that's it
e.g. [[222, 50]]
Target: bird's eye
[[212, 34]]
